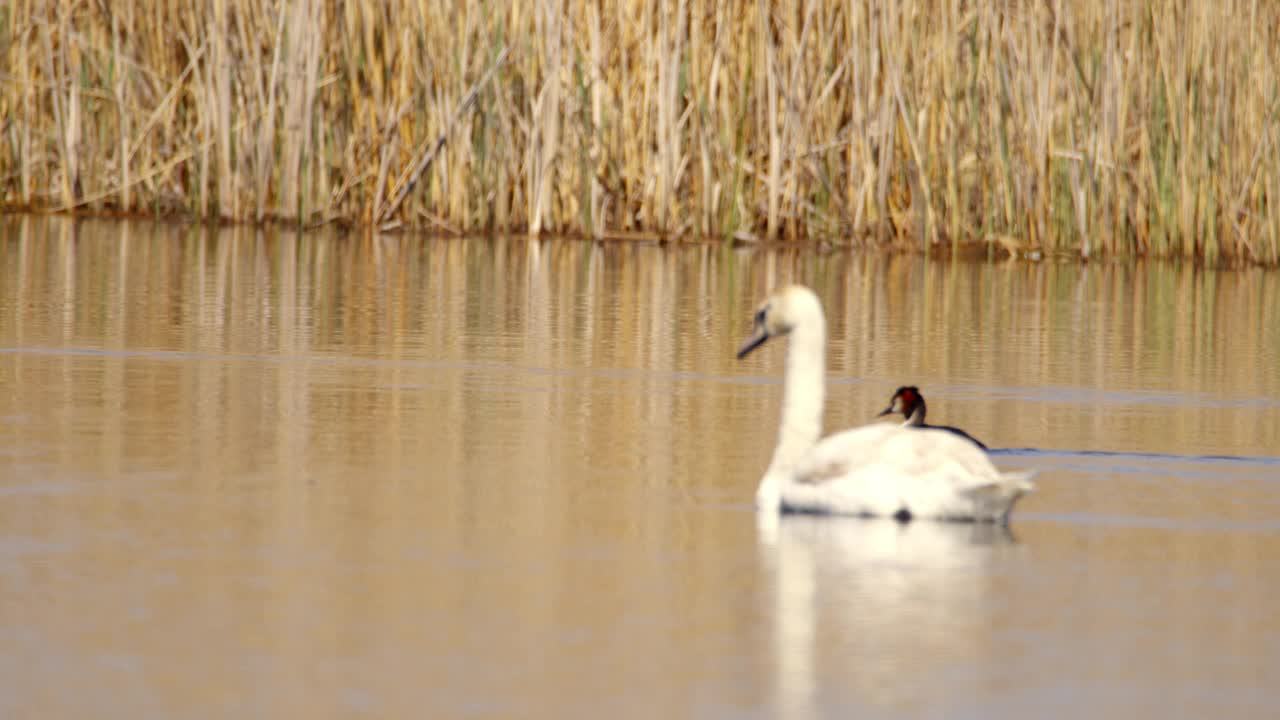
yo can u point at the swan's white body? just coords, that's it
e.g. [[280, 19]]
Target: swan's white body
[[881, 469]]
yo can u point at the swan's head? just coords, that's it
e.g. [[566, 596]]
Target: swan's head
[[905, 400], [780, 313]]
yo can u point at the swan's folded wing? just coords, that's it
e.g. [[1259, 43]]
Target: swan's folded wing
[[879, 469], [914, 452]]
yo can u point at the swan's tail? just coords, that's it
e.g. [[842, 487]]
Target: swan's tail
[[1020, 479], [994, 500]]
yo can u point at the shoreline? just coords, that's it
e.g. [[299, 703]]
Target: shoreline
[[966, 252]]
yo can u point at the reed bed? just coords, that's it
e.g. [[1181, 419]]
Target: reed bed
[[1096, 128]]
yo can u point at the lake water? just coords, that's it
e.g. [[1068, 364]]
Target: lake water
[[256, 474]]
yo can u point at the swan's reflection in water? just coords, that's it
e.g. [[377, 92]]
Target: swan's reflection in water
[[892, 613]]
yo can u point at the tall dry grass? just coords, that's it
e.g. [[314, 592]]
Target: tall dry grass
[[1099, 127]]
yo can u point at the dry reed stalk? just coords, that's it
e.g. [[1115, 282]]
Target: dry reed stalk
[[667, 142], [120, 87], [1098, 127], [54, 78], [202, 99], [303, 36], [706, 63], [545, 110], [26, 102], [425, 158], [596, 158], [220, 73], [767, 63]]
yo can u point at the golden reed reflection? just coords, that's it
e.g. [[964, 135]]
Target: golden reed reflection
[[332, 454], [292, 351]]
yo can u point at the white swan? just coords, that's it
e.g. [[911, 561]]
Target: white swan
[[878, 470]]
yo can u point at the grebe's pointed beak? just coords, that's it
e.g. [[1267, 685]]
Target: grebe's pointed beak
[[887, 411]]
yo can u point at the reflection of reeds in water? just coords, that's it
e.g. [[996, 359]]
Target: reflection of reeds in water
[[1095, 127], [656, 313]]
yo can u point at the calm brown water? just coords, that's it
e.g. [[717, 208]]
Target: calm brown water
[[262, 475]]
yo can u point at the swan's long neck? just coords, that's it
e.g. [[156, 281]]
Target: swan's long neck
[[802, 398]]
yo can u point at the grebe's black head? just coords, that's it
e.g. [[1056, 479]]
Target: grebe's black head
[[905, 400]]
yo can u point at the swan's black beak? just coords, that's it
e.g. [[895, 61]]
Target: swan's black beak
[[756, 340]]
